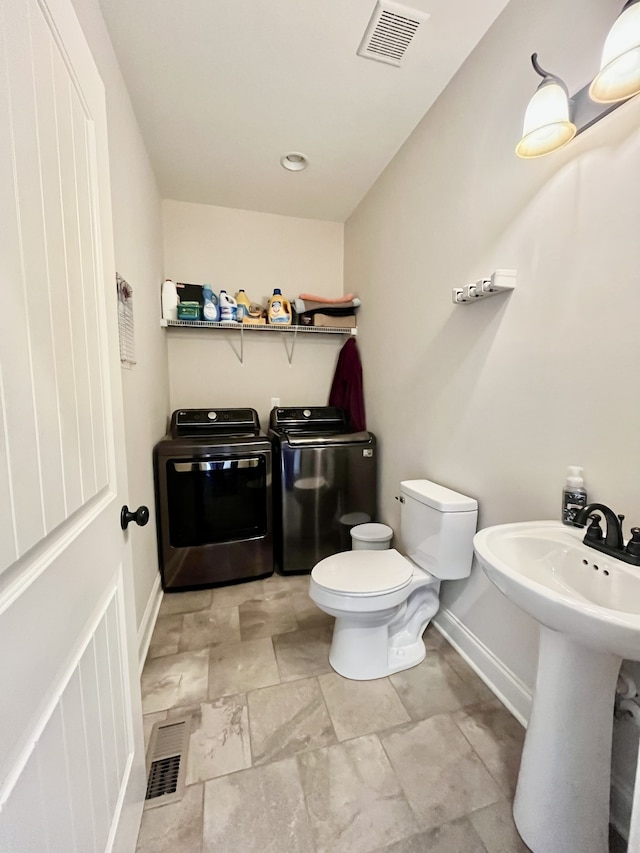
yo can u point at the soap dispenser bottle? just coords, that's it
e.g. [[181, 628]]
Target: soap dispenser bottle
[[574, 494]]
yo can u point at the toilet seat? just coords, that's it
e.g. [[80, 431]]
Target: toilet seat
[[363, 573]]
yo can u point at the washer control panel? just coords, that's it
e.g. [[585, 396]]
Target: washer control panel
[[311, 418]]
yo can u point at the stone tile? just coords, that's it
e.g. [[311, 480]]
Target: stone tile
[[148, 722], [467, 674], [459, 836], [353, 797], [433, 639], [209, 628], [239, 667], [495, 826], [441, 775], [264, 618], [219, 741], [288, 718], [185, 602], [304, 653], [268, 589], [307, 613], [166, 636], [235, 594], [260, 810], [174, 828], [433, 687], [498, 738], [277, 585], [174, 680], [361, 707]]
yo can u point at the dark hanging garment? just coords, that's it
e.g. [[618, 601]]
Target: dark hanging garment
[[346, 389]]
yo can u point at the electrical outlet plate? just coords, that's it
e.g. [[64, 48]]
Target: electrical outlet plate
[[275, 402]]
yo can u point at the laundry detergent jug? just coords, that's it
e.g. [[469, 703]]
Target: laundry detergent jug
[[228, 307], [210, 310], [243, 305], [279, 309]]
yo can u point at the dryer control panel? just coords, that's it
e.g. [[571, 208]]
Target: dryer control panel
[[188, 422]]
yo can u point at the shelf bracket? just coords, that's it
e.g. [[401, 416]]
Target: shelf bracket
[[293, 343], [239, 353]]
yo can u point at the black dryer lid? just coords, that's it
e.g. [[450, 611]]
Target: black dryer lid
[[214, 422]]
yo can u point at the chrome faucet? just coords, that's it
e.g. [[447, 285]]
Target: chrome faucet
[[613, 542]]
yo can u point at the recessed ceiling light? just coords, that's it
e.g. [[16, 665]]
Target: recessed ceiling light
[[294, 161]]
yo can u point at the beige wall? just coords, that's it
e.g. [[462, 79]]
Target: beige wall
[[497, 398], [235, 249], [138, 253]]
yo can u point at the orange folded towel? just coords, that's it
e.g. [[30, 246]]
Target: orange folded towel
[[330, 299]]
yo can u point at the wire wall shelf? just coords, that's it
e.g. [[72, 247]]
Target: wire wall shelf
[[252, 328]]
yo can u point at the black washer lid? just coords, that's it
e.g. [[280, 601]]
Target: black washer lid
[[203, 422], [312, 419]]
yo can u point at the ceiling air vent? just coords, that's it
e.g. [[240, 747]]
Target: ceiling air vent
[[390, 32]]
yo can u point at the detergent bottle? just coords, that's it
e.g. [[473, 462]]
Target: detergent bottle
[[169, 300], [243, 305], [210, 309], [228, 307], [279, 309]]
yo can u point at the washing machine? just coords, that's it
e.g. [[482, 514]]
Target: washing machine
[[213, 479], [325, 482]]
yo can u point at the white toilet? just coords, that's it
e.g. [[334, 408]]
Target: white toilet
[[382, 600]]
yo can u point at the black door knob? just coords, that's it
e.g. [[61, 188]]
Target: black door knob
[[140, 516]]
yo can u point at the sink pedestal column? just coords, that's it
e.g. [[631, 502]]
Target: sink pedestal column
[[562, 798]]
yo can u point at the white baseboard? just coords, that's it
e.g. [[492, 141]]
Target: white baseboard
[[148, 621], [512, 692]]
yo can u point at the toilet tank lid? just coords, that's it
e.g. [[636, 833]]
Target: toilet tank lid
[[438, 497]]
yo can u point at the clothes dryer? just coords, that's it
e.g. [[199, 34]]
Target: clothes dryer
[[213, 499]]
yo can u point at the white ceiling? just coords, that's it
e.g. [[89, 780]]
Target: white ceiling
[[223, 88]]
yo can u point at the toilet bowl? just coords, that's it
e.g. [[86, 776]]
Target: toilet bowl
[[382, 600]]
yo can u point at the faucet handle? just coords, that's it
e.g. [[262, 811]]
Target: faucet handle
[[594, 531], [633, 545]]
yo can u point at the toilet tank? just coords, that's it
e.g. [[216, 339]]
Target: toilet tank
[[437, 526]]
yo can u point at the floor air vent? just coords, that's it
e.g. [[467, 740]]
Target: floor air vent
[[390, 32], [166, 760]]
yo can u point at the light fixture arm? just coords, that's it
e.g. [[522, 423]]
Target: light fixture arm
[[547, 75]]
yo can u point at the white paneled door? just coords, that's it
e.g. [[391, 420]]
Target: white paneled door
[[71, 763]]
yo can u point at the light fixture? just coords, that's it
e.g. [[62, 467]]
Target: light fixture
[[552, 118], [619, 75], [294, 161], [547, 121]]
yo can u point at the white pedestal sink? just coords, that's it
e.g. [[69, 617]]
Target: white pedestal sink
[[588, 607]]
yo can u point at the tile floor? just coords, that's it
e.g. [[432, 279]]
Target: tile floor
[[286, 756]]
